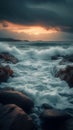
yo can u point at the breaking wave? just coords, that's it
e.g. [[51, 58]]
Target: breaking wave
[[34, 74]]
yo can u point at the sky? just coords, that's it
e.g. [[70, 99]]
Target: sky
[[47, 20]]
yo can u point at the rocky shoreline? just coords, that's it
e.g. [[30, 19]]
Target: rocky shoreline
[[16, 107]]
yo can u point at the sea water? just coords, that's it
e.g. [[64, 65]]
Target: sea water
[[34, 74]]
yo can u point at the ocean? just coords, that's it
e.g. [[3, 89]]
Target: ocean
[[34, 74]]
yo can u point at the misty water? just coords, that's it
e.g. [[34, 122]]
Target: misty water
[[34, 74]]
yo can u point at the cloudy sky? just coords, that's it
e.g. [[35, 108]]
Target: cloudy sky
[[36, 19]]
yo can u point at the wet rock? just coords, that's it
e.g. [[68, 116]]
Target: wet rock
[[66, 58], [69, 124], [46, 106], [7, 89], [8, 57], [14, 118], [55, 57], [66, 74], [15, 97], [9, 70], [53, 119], [5, 72], [54, 115]]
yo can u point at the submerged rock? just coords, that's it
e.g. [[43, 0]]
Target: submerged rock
[[8, 57], [7, 89], [54, 115], [66, 74], [5, 72], [69, 124], [53, 119], [46, 106], [15, 97], [14, 118], [55, 57], [66, 58]]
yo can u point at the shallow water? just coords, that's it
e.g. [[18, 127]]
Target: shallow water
[[35, 72]]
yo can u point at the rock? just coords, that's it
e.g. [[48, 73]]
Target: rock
[[66, 58], [54, 115], [14, 118], [69, 124], [55, 57], [3, 75], [8, 57], [46, 106], [53, 119], [15, 97], [66, 74], [7, 89], [5, 72], [8, 70]]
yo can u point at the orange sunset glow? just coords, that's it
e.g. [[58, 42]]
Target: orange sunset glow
[[35, 32]]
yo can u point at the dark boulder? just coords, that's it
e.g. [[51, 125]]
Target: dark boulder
[[15, 97], [14, 118], [66, 74], [54, 115], [53, 119], [65, 58], [8, 57], [46, 106], [56, 57], [5, 72], [69, 124], [8, 70], [68, 58], [7, 89]]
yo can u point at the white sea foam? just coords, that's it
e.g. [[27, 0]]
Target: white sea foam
[[40, 53], [48, 53], [4, 47], [34, 75]]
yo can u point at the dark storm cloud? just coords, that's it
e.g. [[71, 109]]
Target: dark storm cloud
[[4, 24], [46, 1], [48, 13]]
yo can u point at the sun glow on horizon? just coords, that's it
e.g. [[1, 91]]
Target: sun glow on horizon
[[36, 30], [30, 32]]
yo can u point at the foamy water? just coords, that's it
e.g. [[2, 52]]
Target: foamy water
[[34, 73]]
